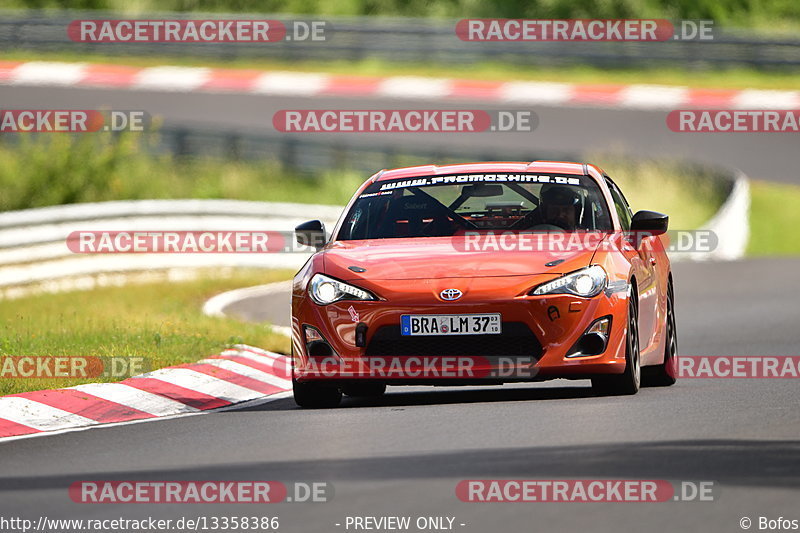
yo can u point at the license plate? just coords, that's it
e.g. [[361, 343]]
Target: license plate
[[488, 324]]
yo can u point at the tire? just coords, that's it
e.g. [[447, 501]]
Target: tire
[[629, 381], [315, 395], [665, 374], [364, 390]]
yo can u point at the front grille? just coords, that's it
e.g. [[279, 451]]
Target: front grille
[[516, 340]]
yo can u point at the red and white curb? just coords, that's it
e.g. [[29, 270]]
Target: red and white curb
[[240, 374], [198, 79]]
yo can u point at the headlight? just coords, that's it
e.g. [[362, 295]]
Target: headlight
[[324, 290], [586, 282]]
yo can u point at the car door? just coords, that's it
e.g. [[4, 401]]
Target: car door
[[644, 264]]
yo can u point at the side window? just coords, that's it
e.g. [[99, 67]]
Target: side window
[[623, 211]]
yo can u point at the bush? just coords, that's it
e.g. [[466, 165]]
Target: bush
[[54, 169]]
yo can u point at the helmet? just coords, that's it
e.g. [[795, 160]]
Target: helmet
[[560, 195]]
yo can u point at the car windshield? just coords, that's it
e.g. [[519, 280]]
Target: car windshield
[[440, 206]]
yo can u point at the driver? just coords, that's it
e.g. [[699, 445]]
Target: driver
[[560, 206]]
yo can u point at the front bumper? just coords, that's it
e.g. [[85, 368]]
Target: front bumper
[[361, 340]]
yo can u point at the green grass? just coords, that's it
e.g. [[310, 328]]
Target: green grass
[[161, 322], [55, 169], [684, 193], [774, 217], [734, 78]]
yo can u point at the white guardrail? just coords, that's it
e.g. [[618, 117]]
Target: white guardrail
[[34, 256], [731, 224]]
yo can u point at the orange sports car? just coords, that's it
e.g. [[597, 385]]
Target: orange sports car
[[483, 274]]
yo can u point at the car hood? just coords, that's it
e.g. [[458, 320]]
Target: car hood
[[452, 257]]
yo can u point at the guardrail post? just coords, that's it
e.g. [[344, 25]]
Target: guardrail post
[[181, 143], [233, 146], [288, 154]]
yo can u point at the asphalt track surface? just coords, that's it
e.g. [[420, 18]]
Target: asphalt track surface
[[404, 454], [590, 131]]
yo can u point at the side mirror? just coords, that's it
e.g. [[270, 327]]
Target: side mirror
[[650, 221], [311, 233], [648, 224]]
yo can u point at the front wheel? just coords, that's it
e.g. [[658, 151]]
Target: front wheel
[[629, 381], [315, 395]]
